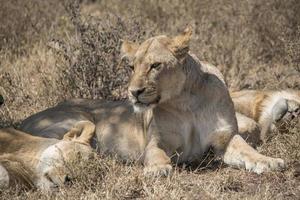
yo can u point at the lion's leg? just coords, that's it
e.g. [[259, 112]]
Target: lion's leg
[[239, 154], [248, 129], [266, 126], [156, 161], [4, 178], [283, 111], [82, 131], [293, 110], [270, 116]]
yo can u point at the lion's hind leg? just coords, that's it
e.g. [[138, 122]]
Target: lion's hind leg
[[239, 154], [248, 129]]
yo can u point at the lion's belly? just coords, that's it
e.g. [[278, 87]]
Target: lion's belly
[[127, 144], [119, 132]]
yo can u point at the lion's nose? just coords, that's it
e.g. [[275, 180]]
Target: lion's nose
[[137, 92]]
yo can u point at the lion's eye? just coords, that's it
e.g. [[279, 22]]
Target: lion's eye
[[155, 65]]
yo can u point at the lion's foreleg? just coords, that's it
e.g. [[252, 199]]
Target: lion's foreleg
[[156, 161], [239, 154]]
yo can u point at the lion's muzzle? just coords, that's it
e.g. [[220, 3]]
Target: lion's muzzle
[[143, 99], [136, 92]]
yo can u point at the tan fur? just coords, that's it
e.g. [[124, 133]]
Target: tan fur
[[29, 160], [18, 172], [179, 107], [264, 107]]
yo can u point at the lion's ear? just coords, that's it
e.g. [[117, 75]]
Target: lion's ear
[[180, 43], [82, 132], [128, 50]]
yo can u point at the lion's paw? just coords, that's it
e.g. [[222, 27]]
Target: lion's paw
[[265, 164], [158, 170]]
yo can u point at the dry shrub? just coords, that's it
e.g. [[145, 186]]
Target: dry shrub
[[94, 68], [93, 56]]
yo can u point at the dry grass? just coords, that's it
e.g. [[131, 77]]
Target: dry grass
[[49, 51]]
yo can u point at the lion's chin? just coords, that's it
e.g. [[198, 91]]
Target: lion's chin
[[139, 108]]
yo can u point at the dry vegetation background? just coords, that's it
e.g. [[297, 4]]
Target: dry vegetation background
[[53, 50]]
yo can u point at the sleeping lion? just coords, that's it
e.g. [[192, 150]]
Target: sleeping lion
[[34, 161], [269, 109]]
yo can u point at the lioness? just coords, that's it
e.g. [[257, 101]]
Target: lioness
[[178, 109], [41, 162], [267, 107]]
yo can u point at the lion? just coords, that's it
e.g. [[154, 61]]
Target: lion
[[178, 108], [39, 162], [270, 109]]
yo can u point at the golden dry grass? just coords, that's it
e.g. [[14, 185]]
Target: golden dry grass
[[49, 52]]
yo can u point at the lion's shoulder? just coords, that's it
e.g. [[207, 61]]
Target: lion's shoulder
[[208, 68]]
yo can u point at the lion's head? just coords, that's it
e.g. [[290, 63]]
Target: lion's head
[[158, 75], [54, 167], [54, 163]]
